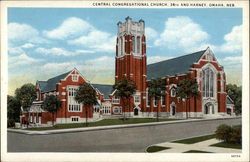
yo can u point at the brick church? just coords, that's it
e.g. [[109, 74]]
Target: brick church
[[131, 63]]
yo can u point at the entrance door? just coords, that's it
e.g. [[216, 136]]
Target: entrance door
[[229, 111], [135, 111], [173, 110], [209, 108]]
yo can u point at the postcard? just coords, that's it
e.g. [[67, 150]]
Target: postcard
[[124, 81]]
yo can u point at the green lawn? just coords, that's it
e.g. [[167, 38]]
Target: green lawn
[[195, 139], [227, 145], [156, 148], [196, 151], [103, 122]]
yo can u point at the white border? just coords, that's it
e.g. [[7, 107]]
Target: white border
[[119, 156]]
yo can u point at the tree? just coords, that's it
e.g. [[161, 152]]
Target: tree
[[156, 89], [86, 95], [13, 111], [52, 104], [235, 93], [186, 89], [124, 89], [26, 95], [13, 108]]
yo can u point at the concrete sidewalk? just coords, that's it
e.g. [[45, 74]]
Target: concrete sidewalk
[[200, 146], [71, 130]]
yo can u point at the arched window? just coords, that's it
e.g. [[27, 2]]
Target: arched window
[[121, 46], [148, 99], [173, 92], [133, 44], [138, 44], [208, 83]]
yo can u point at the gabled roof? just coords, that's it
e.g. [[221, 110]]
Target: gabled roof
[[105, 89], [171, 67], [50, 84]]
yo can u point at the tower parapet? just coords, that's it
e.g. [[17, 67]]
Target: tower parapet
[[130, 27]]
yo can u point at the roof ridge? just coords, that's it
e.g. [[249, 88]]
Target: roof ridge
[[59, 75], [178, 57]]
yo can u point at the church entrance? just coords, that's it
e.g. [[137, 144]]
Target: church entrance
[[136, 111], [209, 108], [173, 110]]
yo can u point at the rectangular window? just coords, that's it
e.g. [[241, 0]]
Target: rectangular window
[[75, 77], [74, 108], [37, 119], [137, 99], [155, 101], [75, 119], [116, 100], [163, 100], [148, 100]]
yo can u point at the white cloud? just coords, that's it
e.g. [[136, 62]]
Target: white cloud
[[21, 31], [54, 51], [233, 40], [15, 51], [71, 27], [154, 59], [84, 51], [81, 33], [28, 45], [22, 59], [150, 33], [24, 32], [96, 40], [182, 32]]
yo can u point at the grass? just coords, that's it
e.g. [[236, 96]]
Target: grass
[[196, 151], [195, 139], [104, 122], [227, 145], [156, 148]]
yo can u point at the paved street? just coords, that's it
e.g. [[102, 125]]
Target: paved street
[[135, 139]]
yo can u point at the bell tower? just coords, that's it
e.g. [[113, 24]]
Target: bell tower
[[131, 58]]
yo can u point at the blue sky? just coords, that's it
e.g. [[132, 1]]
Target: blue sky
[[44, 42]]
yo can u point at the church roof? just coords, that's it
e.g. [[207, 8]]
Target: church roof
[[105, 89], [50, 84], [171, 67]]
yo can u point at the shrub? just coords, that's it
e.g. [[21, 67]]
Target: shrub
[[236, 135], [229, 134], [11, 123], [223, 132]]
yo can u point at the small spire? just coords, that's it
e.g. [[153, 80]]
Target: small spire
[[128, 18], [141, 20], [119, 22]]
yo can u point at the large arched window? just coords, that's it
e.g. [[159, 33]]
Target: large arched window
[[121, 46], [208, 83], [133, 46], [138, 44]]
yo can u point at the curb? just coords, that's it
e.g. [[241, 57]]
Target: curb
[[72, 130]]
